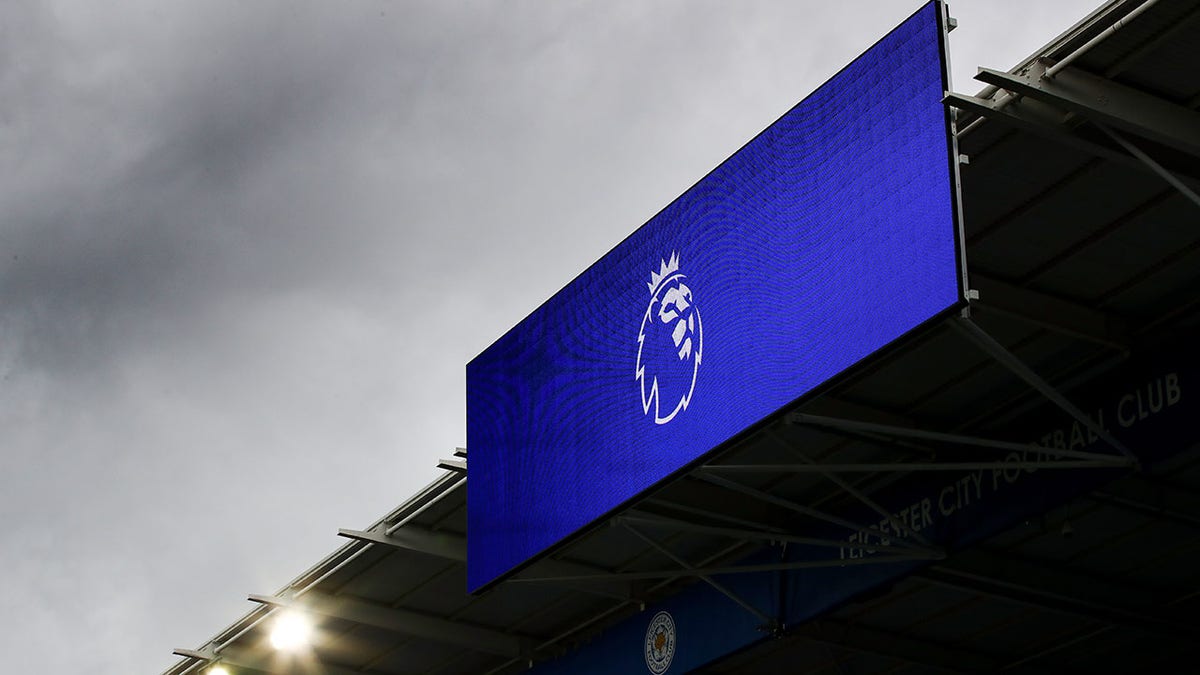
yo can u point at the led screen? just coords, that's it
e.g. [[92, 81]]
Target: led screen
[[826, 237]]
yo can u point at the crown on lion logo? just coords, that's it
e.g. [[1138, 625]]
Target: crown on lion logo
[[666, 269]]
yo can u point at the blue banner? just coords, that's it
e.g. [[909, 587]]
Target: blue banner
[[827, 237]]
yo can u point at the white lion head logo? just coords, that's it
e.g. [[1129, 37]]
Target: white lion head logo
[[670, 343]]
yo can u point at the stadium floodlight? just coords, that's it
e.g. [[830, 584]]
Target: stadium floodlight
[[291, 632]]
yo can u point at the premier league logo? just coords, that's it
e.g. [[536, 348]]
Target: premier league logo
[[669, 344], [659, 648]]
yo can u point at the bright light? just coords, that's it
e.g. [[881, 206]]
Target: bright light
[[291, 632], [217, 670]]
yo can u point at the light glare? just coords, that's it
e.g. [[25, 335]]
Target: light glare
[[217, 670], [291, 632]]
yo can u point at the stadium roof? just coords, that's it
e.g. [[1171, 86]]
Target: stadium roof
[[1080, 204]]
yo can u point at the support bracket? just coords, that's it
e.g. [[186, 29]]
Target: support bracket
[[1001, 355], [1101, 100]]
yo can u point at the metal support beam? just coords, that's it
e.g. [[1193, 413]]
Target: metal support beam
[[431, 495], [456, 465], [1131, 58], [1142, 209], [829, 406], [731, 532], [1040, 119], [997, 351], [900, 556], [1108, 104], [1100, 37], [405, 622], [453, 547], [1108, 463], [599, 616], [1053, 313], [1101, 100], [616, 590], [704, 474], [904, 448], [192, 654], [184, 666], [417, 539], [849, 489], [941, 437], [1157, 168], [251, 621], [767, 621], [710, 515]]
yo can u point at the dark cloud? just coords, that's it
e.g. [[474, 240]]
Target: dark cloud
[[246, 249]]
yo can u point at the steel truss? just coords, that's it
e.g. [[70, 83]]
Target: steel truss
[[1052, 99], [1042, 457], [903, 545]]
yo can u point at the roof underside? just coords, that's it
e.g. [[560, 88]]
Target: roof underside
[[1084, 257]]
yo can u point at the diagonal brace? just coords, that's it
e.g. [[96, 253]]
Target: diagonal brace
[[899, 557], [807, 511], [767, 621], [732, 532], [1109, 462], [1009, 360], [956, 439], [1101, 100], [1154, 166], [895, 522]]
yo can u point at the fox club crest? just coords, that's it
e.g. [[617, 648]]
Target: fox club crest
[[659, 646], [670, 343]]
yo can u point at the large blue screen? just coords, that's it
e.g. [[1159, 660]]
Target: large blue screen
[[826, 237]]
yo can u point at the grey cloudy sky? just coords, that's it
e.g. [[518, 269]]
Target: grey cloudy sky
[[246, 249]]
